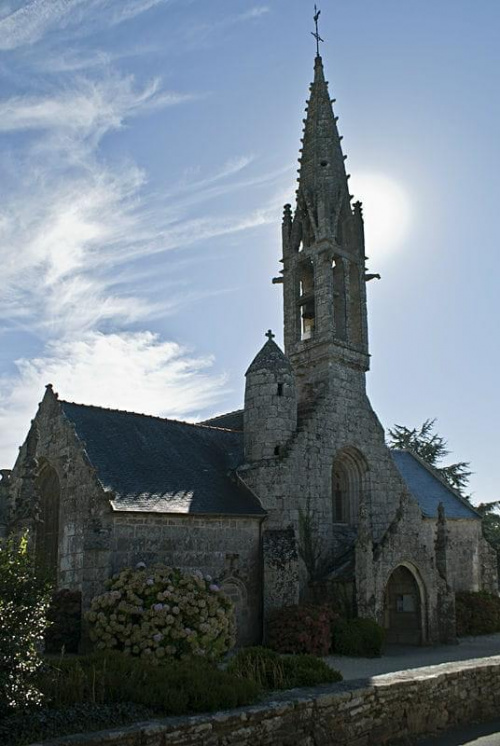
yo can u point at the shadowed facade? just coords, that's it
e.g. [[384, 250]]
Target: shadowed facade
[[100, 489]]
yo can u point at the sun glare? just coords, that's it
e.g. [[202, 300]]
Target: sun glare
[[387, 213]]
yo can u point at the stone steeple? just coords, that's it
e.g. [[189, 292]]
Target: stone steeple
[[322, 192], [323, 260]]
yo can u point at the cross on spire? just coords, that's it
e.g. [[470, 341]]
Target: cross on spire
[[270, 335], [316, 33]]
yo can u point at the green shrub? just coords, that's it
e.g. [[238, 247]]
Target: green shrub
[[273, 671], [162, 613], [262, 665], [300, 629], [103, 690], [359, 637], [307, 670], [24, 601], [477, 613], [65, 615], [178, 687], [43, 724]]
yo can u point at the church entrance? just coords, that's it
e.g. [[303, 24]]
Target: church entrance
[[403, 608]]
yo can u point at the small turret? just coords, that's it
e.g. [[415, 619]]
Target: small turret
[[270, 416]]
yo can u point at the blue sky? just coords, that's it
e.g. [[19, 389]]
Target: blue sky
[[147, 149]]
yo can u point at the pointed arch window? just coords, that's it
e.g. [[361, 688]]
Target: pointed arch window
[[47, 528], [349, 484]]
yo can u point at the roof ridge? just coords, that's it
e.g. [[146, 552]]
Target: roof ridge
[[143, 414], [225, 414]]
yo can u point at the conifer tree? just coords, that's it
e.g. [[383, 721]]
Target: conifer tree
[[432, 448]]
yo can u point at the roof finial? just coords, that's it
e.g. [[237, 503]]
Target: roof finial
[[316, 33], [270, 335]]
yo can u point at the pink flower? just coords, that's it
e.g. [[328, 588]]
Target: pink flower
[[158, 607], [214, 588]]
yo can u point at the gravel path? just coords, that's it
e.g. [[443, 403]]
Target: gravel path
[[402, 658]]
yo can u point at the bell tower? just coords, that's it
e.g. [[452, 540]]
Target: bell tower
[[323, 275]]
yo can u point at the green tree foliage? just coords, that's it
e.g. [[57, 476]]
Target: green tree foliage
[[24, 600], [432, 448]]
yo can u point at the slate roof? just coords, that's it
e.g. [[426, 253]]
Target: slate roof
[[429, 490], [159, 465], [229, 421]]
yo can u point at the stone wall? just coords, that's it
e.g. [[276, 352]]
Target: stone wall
[[281, 569], [409, 542], [471, 560], [84, 511], [383, 710], [225, 548]]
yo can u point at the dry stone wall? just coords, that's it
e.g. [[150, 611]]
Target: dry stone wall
[[385, 711]]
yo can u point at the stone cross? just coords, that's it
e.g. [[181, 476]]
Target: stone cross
[[270, 335]]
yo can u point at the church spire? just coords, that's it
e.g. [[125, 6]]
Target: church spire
[[323, 275], [323, 193]]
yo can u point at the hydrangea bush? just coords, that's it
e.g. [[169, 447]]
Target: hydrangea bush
[[159, 613]]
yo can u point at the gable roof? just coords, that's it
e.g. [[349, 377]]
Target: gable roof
[[429, 490], [158, 465]]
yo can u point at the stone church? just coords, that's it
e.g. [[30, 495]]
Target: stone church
[[298, 492]]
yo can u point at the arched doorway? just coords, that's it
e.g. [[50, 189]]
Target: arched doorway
[[404, 608], [47, 527]]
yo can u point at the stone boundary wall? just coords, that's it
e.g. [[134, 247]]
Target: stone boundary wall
[[366, 712]]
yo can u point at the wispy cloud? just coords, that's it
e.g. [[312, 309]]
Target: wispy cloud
[[87, 107], [77, 60], [256, 12], [28, 23], [63, 247], [128, 10], [199, 34], [79, 232], [103, 369]]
